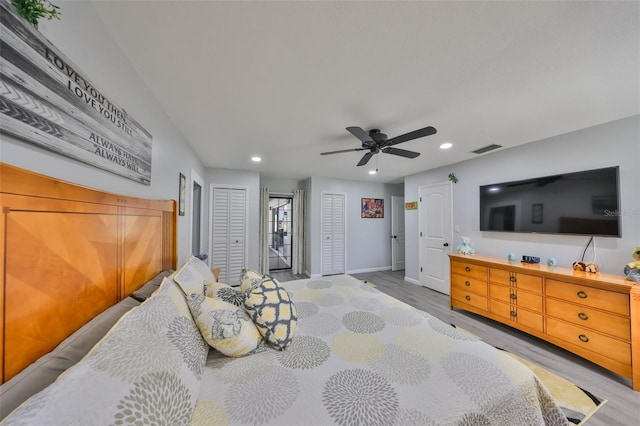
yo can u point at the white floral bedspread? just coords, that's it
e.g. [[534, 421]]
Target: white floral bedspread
[[361, 357]]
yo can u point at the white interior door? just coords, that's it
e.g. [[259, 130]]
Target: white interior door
[[397, 233], [228, 232], [436, 235], [333, 234]]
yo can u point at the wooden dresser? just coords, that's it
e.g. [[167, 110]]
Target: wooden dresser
[[594, 315]]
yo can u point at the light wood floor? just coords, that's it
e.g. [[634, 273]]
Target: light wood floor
[[623, 406]]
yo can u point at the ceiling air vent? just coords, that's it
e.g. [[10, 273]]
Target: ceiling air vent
[[486, 149]]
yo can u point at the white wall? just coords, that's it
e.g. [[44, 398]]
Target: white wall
[[281, 185], [368, 240], [611, 144], [82, 37]]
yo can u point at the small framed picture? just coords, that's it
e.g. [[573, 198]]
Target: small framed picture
[[181, 194], [536, 213], [372, 208]]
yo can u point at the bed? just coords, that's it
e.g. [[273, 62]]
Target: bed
[[357, 357]]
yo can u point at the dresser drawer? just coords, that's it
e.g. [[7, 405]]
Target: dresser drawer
[[583, 316], [468, 298], [516, 297], [469, 284], [516, 314], [590, 340], [469, 269], [597, 298], [523, 281]]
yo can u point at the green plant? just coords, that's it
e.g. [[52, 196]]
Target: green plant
[[34, 10]]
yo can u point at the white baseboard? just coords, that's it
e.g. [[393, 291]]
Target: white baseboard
[[362, 271], [412, 281]]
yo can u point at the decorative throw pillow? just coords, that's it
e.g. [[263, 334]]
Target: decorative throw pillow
[[191, 276], [225, 292], [273, 312], [225, 327], [249, 279]]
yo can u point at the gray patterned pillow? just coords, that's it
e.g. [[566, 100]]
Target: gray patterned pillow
[[225, 292], [192, 275], [273, 312], [225, 327], [249, 279]]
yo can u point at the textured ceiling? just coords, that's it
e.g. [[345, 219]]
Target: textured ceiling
[[283, 79]]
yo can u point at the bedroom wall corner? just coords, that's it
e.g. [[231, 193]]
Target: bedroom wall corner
[[83, 38], [609, 144]]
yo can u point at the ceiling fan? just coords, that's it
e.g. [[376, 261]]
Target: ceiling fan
[[376, 141]]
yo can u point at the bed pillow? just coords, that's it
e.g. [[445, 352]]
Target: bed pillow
[[225, 327], [273, 312], [192, 275], [46, 369], [225, 292], [249, 279], [145, 292]]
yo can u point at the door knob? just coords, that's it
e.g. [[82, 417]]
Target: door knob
[[446, 244], [394, 236]]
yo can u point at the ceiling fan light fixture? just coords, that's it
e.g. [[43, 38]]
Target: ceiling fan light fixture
[[446, 145], [373, 172], [256, 159]]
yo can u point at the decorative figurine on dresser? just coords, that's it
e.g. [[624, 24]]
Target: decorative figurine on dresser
[[465, 248], [632, 269]]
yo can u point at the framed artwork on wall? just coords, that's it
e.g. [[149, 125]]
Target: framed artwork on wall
[[181, 194], [372, 208]]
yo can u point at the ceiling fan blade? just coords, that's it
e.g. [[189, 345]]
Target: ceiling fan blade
[[360, 134], [342, 150], [420, 133], [365, 158], [401, 152]]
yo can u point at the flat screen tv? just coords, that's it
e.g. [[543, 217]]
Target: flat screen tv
[[577, 203]]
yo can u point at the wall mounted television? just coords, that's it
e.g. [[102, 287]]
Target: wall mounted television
[[578, 203]]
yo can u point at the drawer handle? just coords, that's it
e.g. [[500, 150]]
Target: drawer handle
[[514, 314], [512, 279], [583, 338], [583, 316], [466, 268], [581, 294], [467, 283], [467, 297], [513, 296]]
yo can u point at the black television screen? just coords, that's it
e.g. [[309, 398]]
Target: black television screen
[[578, 203]]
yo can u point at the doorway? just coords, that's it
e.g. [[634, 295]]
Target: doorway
[[436, 234], [397, 233], [280, 238]]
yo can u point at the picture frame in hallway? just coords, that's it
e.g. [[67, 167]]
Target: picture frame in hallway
[[372, 208], [181, 194]]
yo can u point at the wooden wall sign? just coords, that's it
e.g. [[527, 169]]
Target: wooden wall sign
[[47, 101]]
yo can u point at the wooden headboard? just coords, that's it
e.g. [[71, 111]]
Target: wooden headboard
[[70, 252]]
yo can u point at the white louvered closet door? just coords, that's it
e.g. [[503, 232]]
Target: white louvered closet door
[[333, 234], [229, 233]]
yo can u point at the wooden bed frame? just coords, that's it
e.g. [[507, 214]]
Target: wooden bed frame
[[68, 253]]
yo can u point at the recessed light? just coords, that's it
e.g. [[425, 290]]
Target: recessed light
[[256, 159], [446, 145]]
